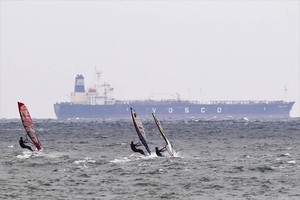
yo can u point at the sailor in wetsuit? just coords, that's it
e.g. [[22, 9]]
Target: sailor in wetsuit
[[21, 141], [133, 148], [159, 151]]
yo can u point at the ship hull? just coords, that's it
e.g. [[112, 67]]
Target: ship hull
[[175, 109]]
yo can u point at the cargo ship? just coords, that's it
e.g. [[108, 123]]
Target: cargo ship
[[98, 103]]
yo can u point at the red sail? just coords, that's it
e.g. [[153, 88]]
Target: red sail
[[28, 125]]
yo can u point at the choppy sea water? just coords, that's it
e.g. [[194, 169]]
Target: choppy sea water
[[231, 159]]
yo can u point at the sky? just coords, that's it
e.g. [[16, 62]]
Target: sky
[[201, 50]]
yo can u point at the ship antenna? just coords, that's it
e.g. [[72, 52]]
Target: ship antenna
[[285, 92], [98, 72]]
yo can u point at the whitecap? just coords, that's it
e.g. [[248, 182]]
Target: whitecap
[[121, 160], [26, 154], [153, 155], [79, 161], [246, 119], [85, 160], [292, 162]]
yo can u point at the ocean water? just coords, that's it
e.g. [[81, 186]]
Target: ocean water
[[231, 159]]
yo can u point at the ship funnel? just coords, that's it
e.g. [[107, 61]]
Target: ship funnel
[[79, 84]]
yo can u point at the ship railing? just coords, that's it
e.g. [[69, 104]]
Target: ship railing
[[148, 101], [126, 102], [199, 102], [246, 102]]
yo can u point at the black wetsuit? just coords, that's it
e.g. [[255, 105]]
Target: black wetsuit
[[135, 149], [24, 146], [158, 152]]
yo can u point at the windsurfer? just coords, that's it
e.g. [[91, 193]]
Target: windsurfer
[[133, 148], [159, 151], [21, 141]]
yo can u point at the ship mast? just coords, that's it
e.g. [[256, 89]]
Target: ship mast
[[285, 92], [102, 91], [98, 85]]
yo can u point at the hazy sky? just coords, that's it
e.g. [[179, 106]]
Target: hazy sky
[[203, 50]]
